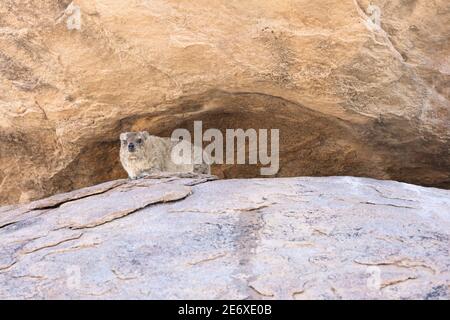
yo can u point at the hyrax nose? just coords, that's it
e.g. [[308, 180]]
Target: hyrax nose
[[131, 147]]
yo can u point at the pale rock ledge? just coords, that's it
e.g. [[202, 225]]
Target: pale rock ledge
[[191, 238]]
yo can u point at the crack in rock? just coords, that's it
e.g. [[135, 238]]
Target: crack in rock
[[401, 263], [221, 255], [60, 199], [259, 292], [93, 212], [386, 204], [396, 281], [50, 245]]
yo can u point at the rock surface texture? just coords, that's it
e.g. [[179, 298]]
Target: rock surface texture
[[354, 90], [191, 238]]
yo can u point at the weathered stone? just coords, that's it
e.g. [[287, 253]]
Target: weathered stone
[[189, 238], [350, 97]]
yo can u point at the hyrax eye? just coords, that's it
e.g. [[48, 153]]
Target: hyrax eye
[[139, 140], [124, 141]]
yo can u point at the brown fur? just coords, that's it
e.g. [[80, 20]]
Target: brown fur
[[153, 153]]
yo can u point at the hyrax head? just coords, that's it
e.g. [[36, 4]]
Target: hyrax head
[[133, 142]]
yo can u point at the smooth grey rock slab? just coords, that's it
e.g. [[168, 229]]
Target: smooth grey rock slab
[[190, 238]]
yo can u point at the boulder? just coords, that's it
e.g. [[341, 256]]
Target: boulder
[[190, 237], [355, 89]]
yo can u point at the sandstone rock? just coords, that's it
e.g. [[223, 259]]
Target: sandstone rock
[[350, 97], [190, 238]]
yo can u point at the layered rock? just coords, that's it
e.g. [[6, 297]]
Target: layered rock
[[350, 96], [186, 237]]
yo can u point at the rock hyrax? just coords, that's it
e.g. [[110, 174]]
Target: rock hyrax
[[142, 153]]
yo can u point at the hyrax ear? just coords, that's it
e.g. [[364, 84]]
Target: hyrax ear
[[145, 134]]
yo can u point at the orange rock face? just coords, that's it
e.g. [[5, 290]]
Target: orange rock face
[[355, 89]]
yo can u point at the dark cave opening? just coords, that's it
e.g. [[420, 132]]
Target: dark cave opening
[[311, 143]]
